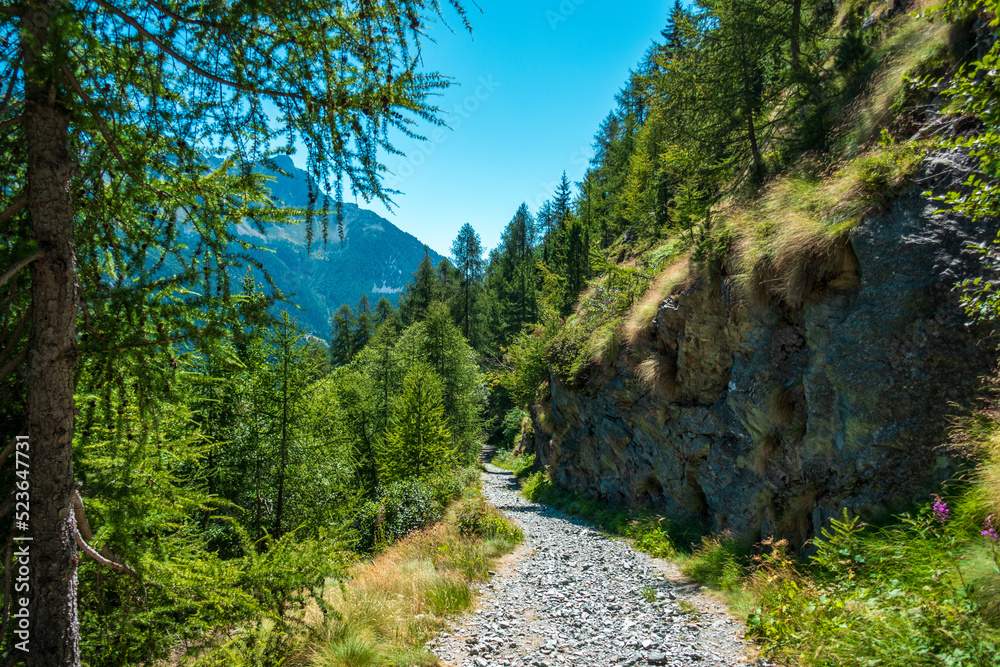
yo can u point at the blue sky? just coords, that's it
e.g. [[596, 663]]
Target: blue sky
[[533, 82]]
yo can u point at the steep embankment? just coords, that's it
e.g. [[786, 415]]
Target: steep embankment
[[770, 419]]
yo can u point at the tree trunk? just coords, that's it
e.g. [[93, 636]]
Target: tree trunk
[[795, 28], [55, 624], [758, 160], [280, 504]]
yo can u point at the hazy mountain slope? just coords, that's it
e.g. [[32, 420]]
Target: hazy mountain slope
[[376, 257]]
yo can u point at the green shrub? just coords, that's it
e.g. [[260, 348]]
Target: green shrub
[[481, 519], [920, 592], [535, 486], [398, 509], [657, 543], [721, 562], [519, 465], [512, 426], [449, 485], [448, 596], [528, 367]]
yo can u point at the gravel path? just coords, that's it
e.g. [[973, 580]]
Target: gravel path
[[571, 596]]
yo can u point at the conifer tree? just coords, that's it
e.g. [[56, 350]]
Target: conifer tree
[[285, 340], [383, 311], [577, 268], [517, 284], [454, 362], [467, 250], [420, 292], [561, 203], [343, 335], [363, 324], [419, 441]]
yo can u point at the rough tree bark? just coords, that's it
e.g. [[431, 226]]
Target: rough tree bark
[[55, 626]]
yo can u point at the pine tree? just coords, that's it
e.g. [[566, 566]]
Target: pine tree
[[517, 285], [364, 324], [561, 203], [285, 340], [419, 441], [577, 268], [454, 362], [449, 285], [420, 292], [383, 311], [467, 250], [342, 335]]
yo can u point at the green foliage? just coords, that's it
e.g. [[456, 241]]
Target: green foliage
[[448, 596], [973, 92], [470, 305], [656, 542], [527, 367], [512, 423], [917, 592], [480, 519], [536, 486], [519, 465], [418, 442], [147, 509], [720, 561], [398, 509]]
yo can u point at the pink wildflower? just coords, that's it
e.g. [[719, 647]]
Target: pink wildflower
[[941, 510], [990, 531]]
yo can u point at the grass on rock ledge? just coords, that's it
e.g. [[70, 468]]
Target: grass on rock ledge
[[922, 590]]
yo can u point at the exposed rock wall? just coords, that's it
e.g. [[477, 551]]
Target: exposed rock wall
[[770, 421]]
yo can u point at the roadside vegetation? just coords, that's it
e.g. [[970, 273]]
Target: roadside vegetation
[[921, 589], [383, 608]]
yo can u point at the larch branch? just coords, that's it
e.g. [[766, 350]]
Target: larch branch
[[194, 67], [80, 524], [10, 122], [13, 209], [12, 365], [12, 271]]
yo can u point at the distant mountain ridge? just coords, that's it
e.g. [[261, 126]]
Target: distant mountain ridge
[[376, 257]]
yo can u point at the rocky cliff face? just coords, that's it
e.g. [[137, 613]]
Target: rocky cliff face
[[769, 421]]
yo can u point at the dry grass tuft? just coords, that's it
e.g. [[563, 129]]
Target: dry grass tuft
[[989, 471], [395, 603], [794, 241], [637, 329], [912, 41], [545, 421], [603, 345], [658, 374], [781, 407], [766, 450]]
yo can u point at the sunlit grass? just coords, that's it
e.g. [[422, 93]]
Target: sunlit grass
[[395, 603]]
